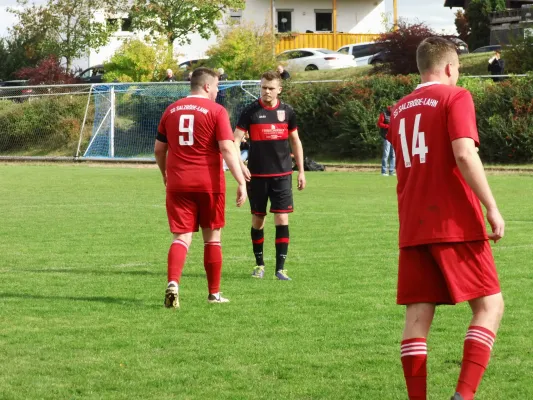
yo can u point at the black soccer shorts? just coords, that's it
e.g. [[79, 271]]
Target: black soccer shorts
[[278, 189]]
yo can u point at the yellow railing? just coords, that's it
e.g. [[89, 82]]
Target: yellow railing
[[322, 40]]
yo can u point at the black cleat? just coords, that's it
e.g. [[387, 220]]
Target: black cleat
[[457, 396]]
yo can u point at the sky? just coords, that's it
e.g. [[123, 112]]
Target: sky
[[431, 12]]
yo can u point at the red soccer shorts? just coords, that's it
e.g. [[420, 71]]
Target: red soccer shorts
[[446, 273], [187, 211]]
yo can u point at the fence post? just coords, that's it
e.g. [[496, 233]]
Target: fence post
[[112, 124], [83, 123]]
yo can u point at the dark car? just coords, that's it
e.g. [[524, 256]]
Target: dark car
[[92, 74], [15, 90], [189, 65], [488, 49]]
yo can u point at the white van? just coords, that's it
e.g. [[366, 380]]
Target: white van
[[362, 52]]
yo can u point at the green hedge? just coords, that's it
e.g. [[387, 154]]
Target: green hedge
[[42, 126], [338, 120]]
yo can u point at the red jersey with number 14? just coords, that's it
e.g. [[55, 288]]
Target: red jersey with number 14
[[192, 127], [435, 204]]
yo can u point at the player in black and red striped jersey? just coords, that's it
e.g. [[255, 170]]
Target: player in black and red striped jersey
[[272, 126]]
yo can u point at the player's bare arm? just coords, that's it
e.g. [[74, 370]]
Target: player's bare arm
[[231, 156], [471, 167], [238, 135], [298, 152], [160, 151]]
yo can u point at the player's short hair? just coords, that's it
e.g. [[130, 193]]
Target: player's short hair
[[433, 52], [200, 76], [271, 76]]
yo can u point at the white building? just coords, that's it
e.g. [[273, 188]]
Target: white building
[[311, 16]]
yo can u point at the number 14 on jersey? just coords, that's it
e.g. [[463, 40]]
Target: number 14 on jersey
[[418, 145]]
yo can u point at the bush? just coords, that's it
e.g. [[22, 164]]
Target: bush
[[244, 51], [49, 125], [47, 72], [136, 61], [338, 120], [519, 57], [400, 47]]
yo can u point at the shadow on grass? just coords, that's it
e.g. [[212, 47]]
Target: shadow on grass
[[82, 271], [98, 299]]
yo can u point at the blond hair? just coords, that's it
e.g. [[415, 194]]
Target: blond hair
[[433, 52]]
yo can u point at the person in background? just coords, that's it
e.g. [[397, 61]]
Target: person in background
[[283, 73], [170, 76], [222, 76], [496, 65], [388, 156]]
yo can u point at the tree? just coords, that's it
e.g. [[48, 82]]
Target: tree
[[478, 17], [19, 52], [176, 19], [399, 48], [244, 51], [461, 24], [66, 28], [136, 61]]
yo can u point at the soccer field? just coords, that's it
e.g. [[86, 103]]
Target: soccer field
[[83, 272]]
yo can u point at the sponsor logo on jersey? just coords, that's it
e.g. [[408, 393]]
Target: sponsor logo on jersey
[[262, 116], [281, 115]]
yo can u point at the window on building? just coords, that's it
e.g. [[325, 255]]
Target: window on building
[[126, 25], [284, 20], [324, 20], [235, 15], [122, 24]]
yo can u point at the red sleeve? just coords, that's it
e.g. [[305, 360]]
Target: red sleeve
[[381, 121], [462, 117], [223, 127], [162, 129]]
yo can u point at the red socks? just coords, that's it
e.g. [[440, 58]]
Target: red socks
[[476, 356], [414, 354], [176, 260], [213, 265]]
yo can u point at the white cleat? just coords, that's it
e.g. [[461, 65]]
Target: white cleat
[[216, 298]]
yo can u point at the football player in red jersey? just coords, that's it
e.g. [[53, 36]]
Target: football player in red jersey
[[445, 256], [194, 136], [272, 125]]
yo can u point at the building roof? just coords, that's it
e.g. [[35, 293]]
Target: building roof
[[455, 3], [464, 3]]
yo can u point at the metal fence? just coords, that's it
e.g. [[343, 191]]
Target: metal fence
[[101, 121]]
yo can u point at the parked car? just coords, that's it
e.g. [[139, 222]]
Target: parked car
[[92, 74], [15, 90], [189, 65], [362, 52], [487, 49], [311, 59], [462, 47]]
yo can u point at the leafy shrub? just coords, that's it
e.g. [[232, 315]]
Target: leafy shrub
[[136, 61], [519, 57], [338, 120], [400, 47], [42, 126], [47, 72], [244, 51]]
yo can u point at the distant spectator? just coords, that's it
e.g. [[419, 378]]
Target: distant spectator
[[283, 73], [170, 76], [388, 156], [221, 75], [189, 76], [496, 65]]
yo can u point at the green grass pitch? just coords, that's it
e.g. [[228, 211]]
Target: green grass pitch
[[83, 271]]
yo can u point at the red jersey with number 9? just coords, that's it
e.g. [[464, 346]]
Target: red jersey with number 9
[[435, 204], [192, 127]]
